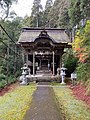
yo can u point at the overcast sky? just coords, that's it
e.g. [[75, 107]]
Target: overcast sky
[[23, 7]]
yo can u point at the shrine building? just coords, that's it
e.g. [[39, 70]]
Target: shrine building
[[43, 48]]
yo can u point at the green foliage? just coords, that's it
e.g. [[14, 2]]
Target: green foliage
[[10, 63], [46, 17], [87, 34], [70, 62], [48, 5], [78, 11], [18, 73], [2, 77], [58, 16], [83, 71], [83, 53], [85, 8], [2, 80], [36, 8], [54, 15], [74, 12], [2, 83], [63, 20], [27, 21], [11, 79]]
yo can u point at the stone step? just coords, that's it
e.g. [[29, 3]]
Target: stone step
[[46, 72]]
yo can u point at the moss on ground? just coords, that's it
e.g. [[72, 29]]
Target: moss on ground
[[14, 105], [72, 109]]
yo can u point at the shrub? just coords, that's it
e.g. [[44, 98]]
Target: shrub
[[11, 79], [83, 71], [70, 62], [2, 77], [18, 73], [2, 83]]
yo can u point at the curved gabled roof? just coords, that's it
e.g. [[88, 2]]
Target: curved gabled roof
[[31, 34]]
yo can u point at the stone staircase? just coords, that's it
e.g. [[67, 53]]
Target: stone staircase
[[42, 76], [44, 72]]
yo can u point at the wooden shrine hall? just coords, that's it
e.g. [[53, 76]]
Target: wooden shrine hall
[[43, 48]]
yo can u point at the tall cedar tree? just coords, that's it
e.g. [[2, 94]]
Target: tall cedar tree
[[75, 13], [58, 13], [48, 7], [79, 10], [85, 9], [36, 9]]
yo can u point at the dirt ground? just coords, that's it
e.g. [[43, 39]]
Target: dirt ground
[[8, 88]]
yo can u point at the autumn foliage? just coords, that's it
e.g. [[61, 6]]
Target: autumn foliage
[[81, 48], [81, 44], [82, 54]]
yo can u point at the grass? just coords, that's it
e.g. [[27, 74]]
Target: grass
[[72, 109], [14, 105], [57, 84]]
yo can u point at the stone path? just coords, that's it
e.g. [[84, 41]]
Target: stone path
[[43, 106]]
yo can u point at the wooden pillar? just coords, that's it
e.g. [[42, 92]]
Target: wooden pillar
[[23, 56], [27, 59], [33, 63], [40, 64], [60, 61], [53, 64]]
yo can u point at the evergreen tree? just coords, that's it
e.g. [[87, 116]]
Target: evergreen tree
[[63, 20], [59, 13], [37, 7], [10, 62], [75, 13], [85, 9], [49, 4], [79, 11], [48, 7], [27, 21], [54, 12]]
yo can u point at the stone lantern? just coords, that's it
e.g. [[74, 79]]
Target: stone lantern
[[63, 69], [23, 78]]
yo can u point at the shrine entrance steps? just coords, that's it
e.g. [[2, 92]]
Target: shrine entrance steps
[[42, 76], [44, 72], [43, 106]]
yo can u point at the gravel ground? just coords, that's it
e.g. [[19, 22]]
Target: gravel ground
[[43, 106]]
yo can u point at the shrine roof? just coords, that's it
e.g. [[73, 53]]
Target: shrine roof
[[55, 34]]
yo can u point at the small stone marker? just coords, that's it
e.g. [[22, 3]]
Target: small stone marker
[[73, 78]]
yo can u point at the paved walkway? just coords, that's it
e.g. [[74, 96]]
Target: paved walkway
[[43, 106]]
